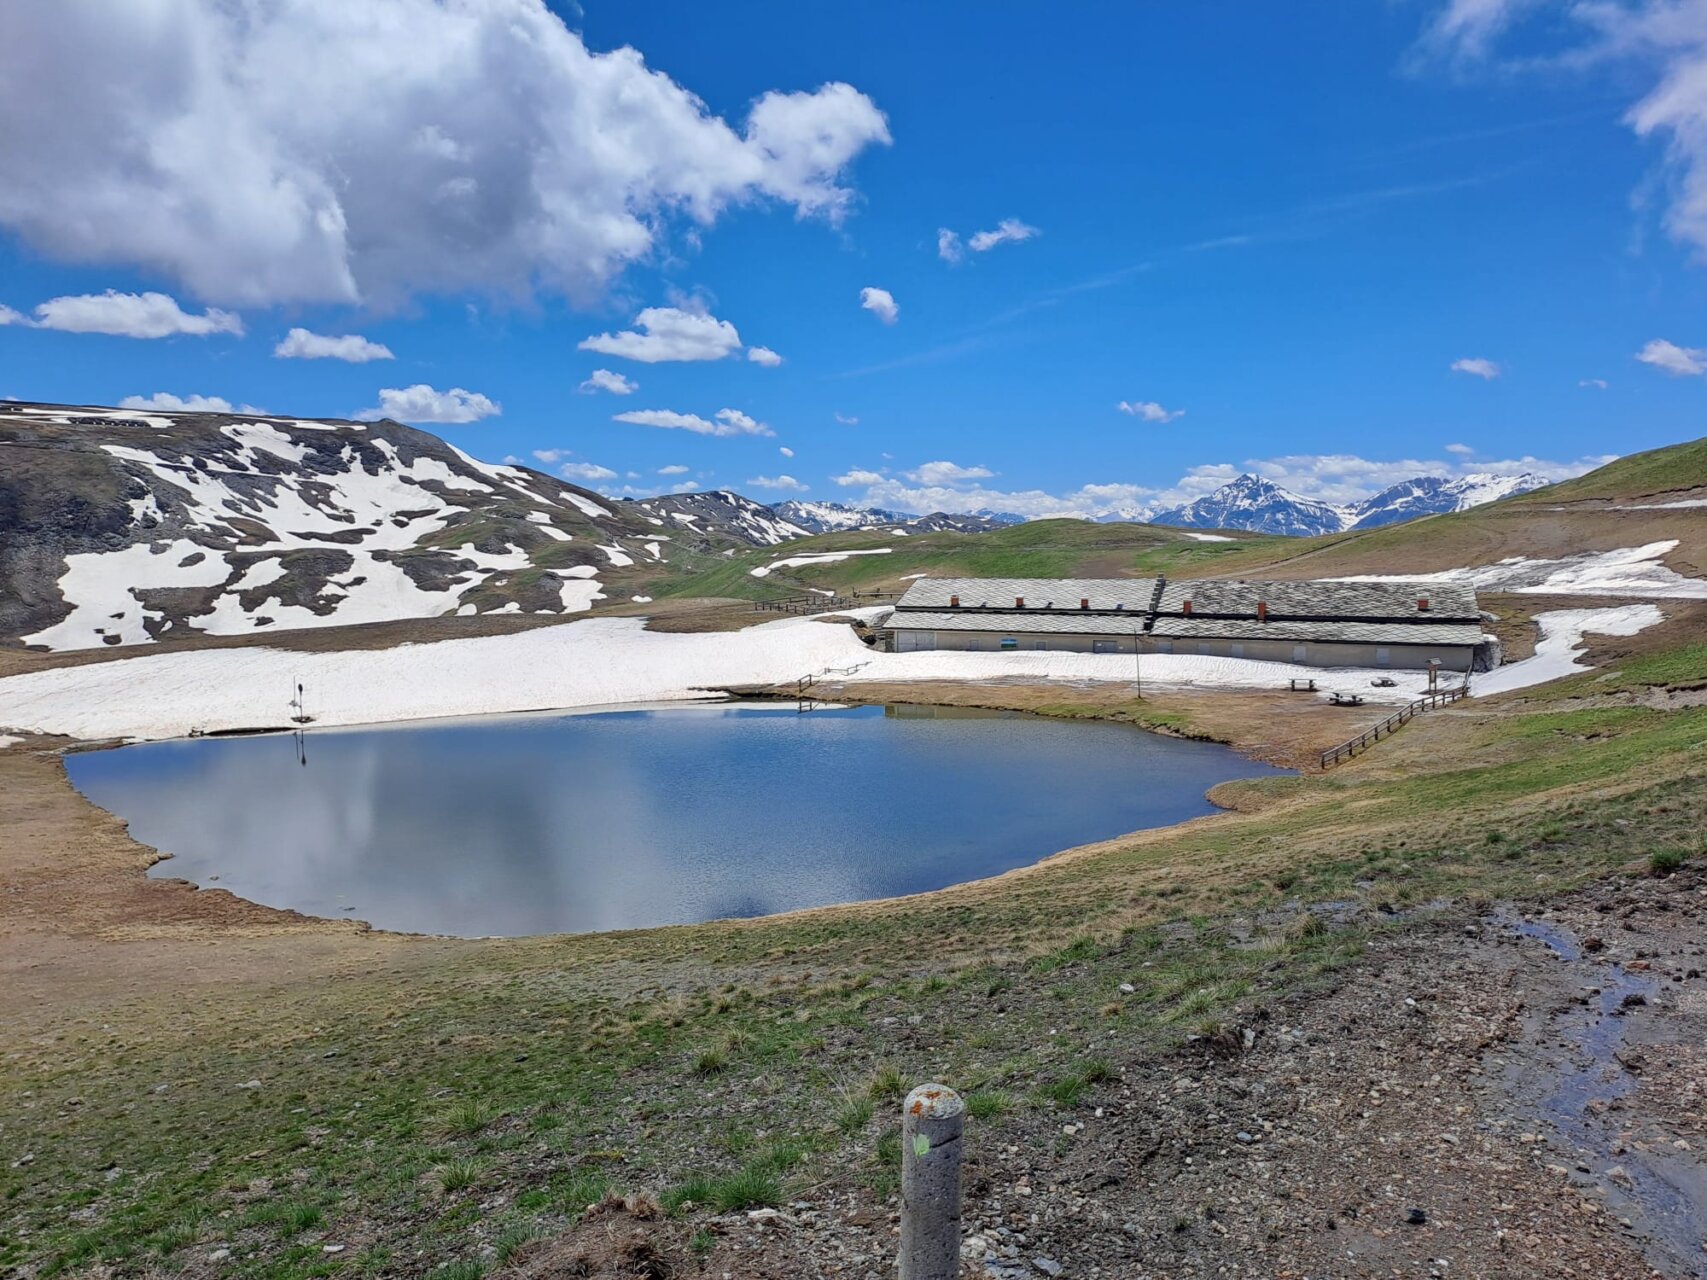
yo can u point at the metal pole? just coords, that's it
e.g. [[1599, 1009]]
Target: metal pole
[[1137, 666], [932, 1121]]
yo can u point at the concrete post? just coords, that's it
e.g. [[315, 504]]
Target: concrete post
[[931, 1123]]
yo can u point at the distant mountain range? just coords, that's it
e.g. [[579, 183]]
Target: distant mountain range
[[1261, 506], [732, 515]]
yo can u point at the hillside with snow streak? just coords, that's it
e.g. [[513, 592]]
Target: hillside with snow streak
[[120, 528]]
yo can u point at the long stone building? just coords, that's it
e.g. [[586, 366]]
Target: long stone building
[[1321, 624]]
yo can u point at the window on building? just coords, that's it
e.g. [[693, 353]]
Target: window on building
[[1009, 642], [1383, 656], [1300, 653]]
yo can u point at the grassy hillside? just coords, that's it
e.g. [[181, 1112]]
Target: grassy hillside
[[1676, 468]]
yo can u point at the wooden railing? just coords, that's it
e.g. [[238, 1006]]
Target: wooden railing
[[814, 603], [1346, 750]]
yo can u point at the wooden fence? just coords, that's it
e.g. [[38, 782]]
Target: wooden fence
[[1389, 726], [814, 603]]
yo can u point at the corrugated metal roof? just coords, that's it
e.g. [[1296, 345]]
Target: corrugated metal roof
[[1128, 594], [1447, 600], [1342, 632]]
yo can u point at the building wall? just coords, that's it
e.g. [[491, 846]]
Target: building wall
[[1400, 657]]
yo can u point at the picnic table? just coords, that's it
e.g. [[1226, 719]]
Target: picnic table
[[1298, 683], [1346, 699]]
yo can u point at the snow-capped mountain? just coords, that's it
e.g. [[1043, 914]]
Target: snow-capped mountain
[[1261, 506], [721, 512], [1433, 495], [835, 517], [120, 528]]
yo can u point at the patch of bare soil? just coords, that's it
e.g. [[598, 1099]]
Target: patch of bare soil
[[630, 1239]]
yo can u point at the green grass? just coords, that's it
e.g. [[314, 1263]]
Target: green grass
[[1662, 862]]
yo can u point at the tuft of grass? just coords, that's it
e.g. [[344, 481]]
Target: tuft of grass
[[454, 1175], [175, 1235], [987, 1104], [755, 1187], [468, 1116], [514, 1239], [697, 1192], [711, 1062], [1065, 1092], [466, 1269], [887, 1084], [1098, 1071], [1662, 862], [854, 1114], [584, 1191]]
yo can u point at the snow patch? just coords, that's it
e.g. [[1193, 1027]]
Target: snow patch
[[1628, 571], [1561, 644], [822, 557]]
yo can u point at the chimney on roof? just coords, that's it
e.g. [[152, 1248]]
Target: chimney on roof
[[1422, 603], [954, 602], [1262, 610], [1084, 602], [1019, 602], [1186, 605]]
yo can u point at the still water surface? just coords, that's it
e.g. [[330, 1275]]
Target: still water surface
[[573, 823]]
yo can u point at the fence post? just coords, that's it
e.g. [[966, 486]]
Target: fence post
[[932, 1121]]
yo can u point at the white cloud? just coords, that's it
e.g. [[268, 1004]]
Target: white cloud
[[605, 380], [125, 315], [881, 303], [1596, 384], [1663, 42], [166, 402], [1149, 410], [671, 334], [1008, 231], [448, 146], [1462, 450], [948, 246], [858, 476], [764, 356], [551, 457], [684, 486], [935, 473], [847, 420], [785, 483], [422, 403], [352, 348], [588, 471], [9, 316], [1477, 367], [674, 469], [785, 451], [725, 422], [1679, 361]]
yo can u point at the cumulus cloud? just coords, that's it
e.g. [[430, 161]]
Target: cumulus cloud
[[1462, 450], [1682, 362], [881, 303], [352, 348], [932, 473], [1595, 384], [670, 334], [674, 469], [489, 150], [166, 402], [422, 403], [605, 380], [1008, 231], [785, 483], [9, 316], [948, 245], [858, 476], [1149, 411], [764, 356], [725, 422], [585, 471], [1477, 367], [124, 315], [785, 451]]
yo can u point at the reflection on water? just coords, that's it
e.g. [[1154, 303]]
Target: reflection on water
[[572, 823]]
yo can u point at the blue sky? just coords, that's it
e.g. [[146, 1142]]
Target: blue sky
[[1270, 231]]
